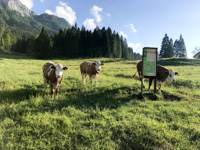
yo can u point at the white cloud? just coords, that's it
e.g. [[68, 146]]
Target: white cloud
[[95, 12], [133, 28], [42, 1], [49, 12], [123, 34], [107, 14], [190, 55], [134, 46], [28, 3], [89, 24], [64, 11]]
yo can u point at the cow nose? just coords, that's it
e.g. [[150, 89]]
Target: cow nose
[[58, 76], [174, 80], [98, 69]]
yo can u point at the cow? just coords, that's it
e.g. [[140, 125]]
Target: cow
[[92, 69], [162, 75], [53, 74]]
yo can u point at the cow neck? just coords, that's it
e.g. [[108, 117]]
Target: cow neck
[[53, 75], [94, 70]]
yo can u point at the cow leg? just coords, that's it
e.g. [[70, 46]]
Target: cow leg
[[142, 80], [84, 76], [150, 82], [96, 77], [57, 90], [45, 84], [159, 87], [91, 80], [51, 90]]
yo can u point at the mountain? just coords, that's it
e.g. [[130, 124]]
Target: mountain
[[19, 19], [17, 6]]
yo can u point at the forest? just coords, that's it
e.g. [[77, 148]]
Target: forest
[[76, 43]]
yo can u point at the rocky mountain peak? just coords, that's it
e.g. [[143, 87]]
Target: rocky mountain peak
[[17, 6]]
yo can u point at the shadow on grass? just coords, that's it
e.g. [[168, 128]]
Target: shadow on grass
[[123, 76], [16, 96], [81, 98], [170, 97]]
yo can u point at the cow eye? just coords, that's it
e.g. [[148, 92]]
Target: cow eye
[[170, 75]]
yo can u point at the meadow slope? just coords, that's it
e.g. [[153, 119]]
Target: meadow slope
[[112, 116]]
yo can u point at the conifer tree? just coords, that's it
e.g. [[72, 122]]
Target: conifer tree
[[42, 45], [179, 48], [166, 48]]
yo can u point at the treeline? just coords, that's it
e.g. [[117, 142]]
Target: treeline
[[76, 42], [172, 49]]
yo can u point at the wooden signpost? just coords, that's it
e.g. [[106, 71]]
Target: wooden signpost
[[149, 58]]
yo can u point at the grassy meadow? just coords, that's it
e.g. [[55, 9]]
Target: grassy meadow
[[112, 116]]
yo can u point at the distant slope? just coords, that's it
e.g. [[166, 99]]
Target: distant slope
[[179, 62], [30, 25], [52, 22]]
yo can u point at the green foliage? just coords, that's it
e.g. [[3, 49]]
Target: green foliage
[[42, 45], [112, 116], [52, 22], [15, 29], [168, 49], [179, 48], [75, 43]]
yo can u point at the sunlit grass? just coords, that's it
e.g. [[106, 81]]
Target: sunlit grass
[[112, 116]]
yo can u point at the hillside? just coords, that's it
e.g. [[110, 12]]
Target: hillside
[[32, 24], [112, 116]]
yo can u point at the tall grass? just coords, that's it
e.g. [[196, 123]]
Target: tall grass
[[112, 116]]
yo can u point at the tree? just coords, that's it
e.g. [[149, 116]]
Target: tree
[[166, 48], [196, 50], [7, 40], [183, 51], [43, 45], [179, 48]]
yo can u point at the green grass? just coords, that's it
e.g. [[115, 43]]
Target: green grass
[[112, 116]]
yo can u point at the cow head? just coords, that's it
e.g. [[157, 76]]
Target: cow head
[[98, 65], [59, 70], [171, 76]]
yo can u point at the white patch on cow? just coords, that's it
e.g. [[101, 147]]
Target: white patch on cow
[[98, 66], [90, 63], [50, 69], [171, 76], [59, 70], [50, 62]]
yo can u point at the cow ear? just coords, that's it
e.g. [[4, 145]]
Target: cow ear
[[65, 68], [102, 64], [53, 67], [176, 73]]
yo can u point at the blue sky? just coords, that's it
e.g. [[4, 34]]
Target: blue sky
[[142, 22]]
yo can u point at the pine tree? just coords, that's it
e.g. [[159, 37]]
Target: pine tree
[[179, 48], [183, 51], [166, 47], [170, 48], [42, 45]]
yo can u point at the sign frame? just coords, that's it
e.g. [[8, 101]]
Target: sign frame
[[144, 54]]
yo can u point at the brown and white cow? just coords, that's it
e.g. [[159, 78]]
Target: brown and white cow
[[162, 74], [53, 74], [92, 69]]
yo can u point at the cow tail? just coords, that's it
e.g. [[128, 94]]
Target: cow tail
[[134, 75]]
